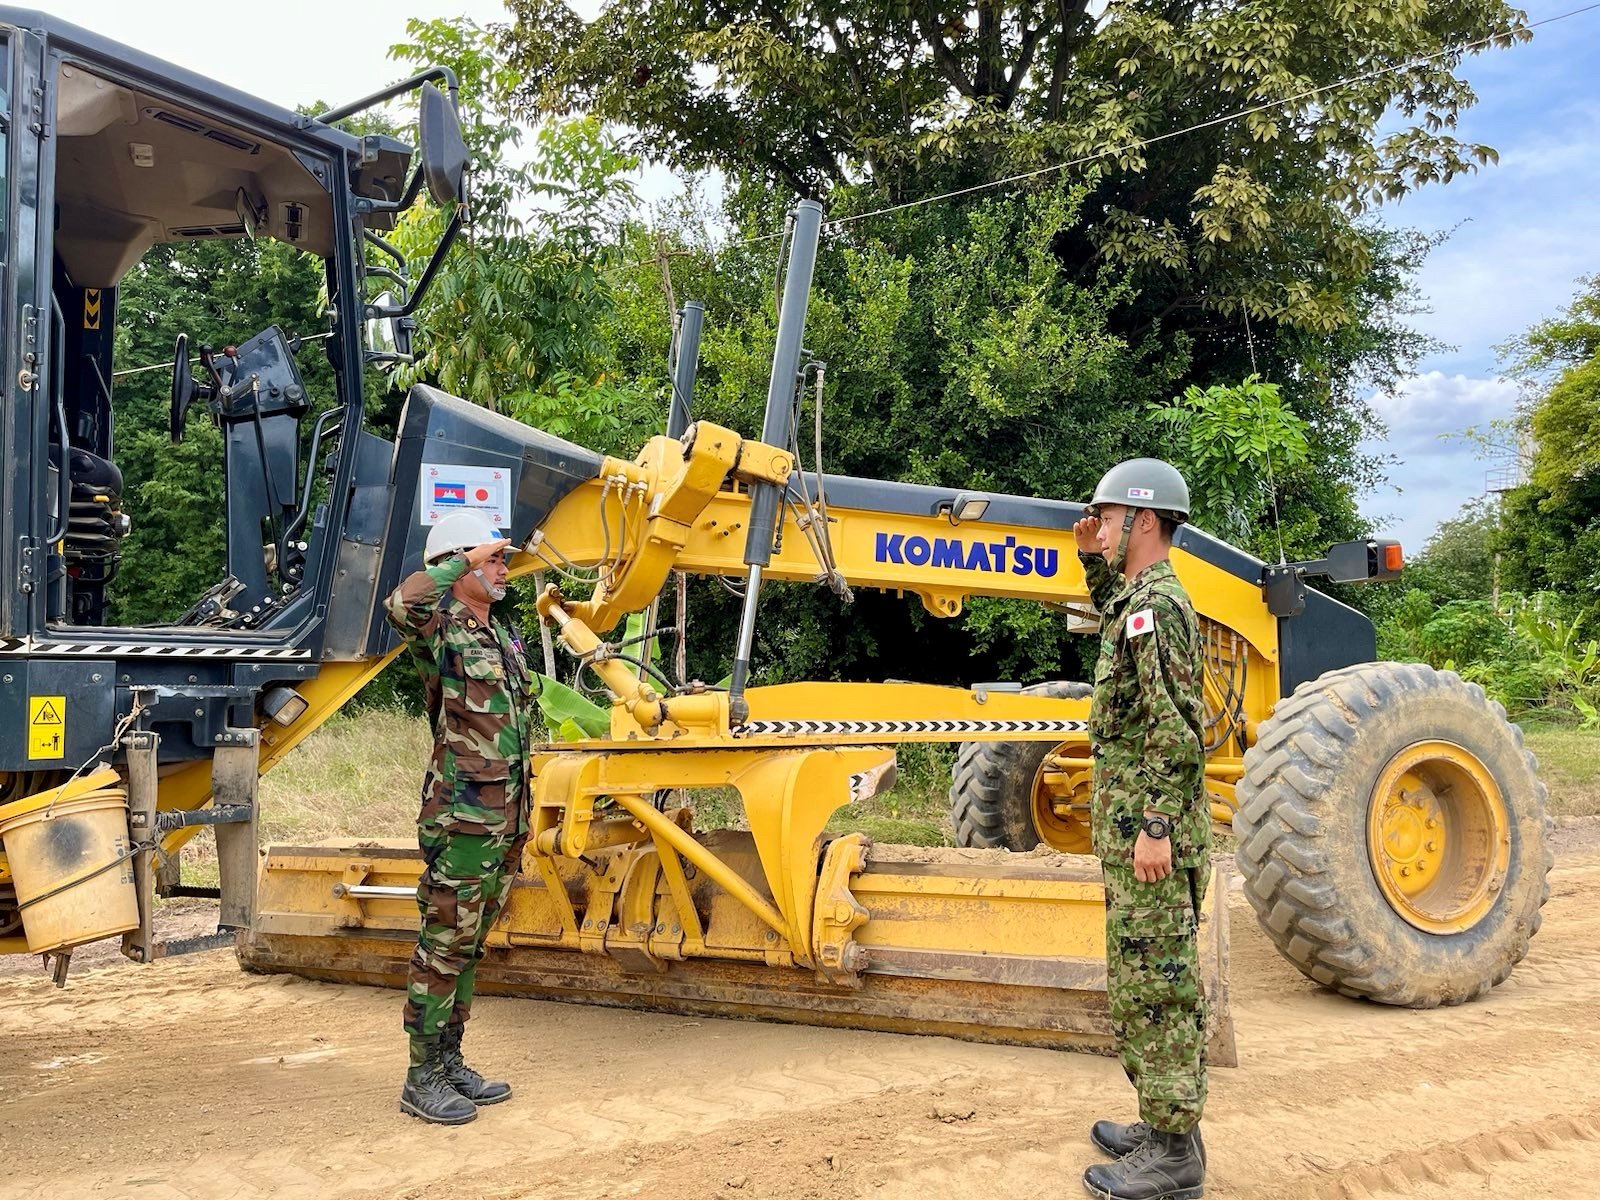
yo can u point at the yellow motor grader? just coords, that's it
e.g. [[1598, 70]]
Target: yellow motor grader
[[1390, 826]]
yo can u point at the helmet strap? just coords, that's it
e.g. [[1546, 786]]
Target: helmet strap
[[1121, 556], [490, 590]]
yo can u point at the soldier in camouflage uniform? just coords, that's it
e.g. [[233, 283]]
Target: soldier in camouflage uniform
[[1151, 828], [474, 820]]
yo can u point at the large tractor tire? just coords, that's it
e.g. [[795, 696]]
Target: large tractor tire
[[1392, 835], [997, 797]]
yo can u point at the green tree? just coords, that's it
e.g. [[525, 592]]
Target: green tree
[[1229, 442], [864, 103], [957, 353], [514, 320], [1549, 538], [1458, 560]]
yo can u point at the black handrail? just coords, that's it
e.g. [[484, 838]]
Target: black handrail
[[317, 433], [444, 74], [58, 386]]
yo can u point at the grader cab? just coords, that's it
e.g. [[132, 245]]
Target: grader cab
[[1390, 827]]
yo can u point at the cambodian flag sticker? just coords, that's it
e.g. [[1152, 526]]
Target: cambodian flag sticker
[[449, 493], [1141, 494], [1141, 622]]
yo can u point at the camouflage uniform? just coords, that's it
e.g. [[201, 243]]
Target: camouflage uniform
[[1147, 726], [474, 819]]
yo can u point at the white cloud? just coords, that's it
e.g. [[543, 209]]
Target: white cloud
[[1524, 231], [1425, 407], [1435, 473]]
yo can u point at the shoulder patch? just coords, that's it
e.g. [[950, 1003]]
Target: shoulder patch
[[1141, 622]]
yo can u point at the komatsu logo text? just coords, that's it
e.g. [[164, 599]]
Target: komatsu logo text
[[1007, 555]]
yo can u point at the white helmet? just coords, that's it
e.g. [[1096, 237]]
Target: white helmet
[[459, 531]]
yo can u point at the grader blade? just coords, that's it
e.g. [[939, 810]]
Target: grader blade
[[973, 944]]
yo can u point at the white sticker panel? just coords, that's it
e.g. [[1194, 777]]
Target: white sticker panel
[[447, 489]]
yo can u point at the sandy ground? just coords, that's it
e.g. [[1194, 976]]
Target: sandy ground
[[191, 1079]]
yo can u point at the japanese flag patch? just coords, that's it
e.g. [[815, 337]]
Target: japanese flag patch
[[1141, 622], [1141, 494]]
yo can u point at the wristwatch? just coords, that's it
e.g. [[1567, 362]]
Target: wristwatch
[[1157, 827]]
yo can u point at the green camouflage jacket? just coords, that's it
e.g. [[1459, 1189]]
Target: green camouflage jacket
[[1148, 718], [479, 689]]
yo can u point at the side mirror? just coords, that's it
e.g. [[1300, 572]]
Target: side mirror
[[388, 334], [251, 217], [444, 152], [183, 389]]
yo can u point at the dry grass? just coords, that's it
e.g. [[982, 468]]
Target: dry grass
[[360, 776], [356, 777]]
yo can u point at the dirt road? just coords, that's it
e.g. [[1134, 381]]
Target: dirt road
[[190, 1079]]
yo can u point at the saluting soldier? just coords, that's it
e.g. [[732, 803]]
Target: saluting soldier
[[481, 699], [1151, 827]]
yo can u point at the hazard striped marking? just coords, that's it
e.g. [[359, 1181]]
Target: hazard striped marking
[[897, 728], [125, 650]]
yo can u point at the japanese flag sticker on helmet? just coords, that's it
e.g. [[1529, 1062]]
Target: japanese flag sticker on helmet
[[1141, 622], [1141, 494]]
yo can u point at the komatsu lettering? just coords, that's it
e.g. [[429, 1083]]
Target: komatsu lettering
[[992, 557]]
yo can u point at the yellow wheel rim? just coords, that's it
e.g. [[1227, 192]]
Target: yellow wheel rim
[[1439, 837], [1062, 787]]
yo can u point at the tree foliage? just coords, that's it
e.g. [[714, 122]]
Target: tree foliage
[[1228, 442], [513, 320], [1550, 535], [221, 293], [1458, 560], [863, 103]]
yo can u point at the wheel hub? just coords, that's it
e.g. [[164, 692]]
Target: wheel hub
[[1438, 837], [1061, 793]]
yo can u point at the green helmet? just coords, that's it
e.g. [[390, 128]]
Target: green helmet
[[1143, 483]]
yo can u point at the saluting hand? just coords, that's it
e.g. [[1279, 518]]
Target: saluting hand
[[1087, 531], [479, 555]]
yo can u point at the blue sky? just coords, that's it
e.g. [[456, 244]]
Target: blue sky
[[1524, 232]]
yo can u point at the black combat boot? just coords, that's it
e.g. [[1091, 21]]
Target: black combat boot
[[1119, 1140], [462, 1077], [1169, 1166], [427, 1093]]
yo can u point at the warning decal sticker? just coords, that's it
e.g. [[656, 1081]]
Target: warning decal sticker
[[47, 726]]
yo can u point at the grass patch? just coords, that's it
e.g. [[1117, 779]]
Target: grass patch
[[360, 776], [915, 812], [357, 777], [1569, 764]]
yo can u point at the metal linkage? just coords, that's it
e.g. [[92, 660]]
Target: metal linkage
[[766, 497]]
